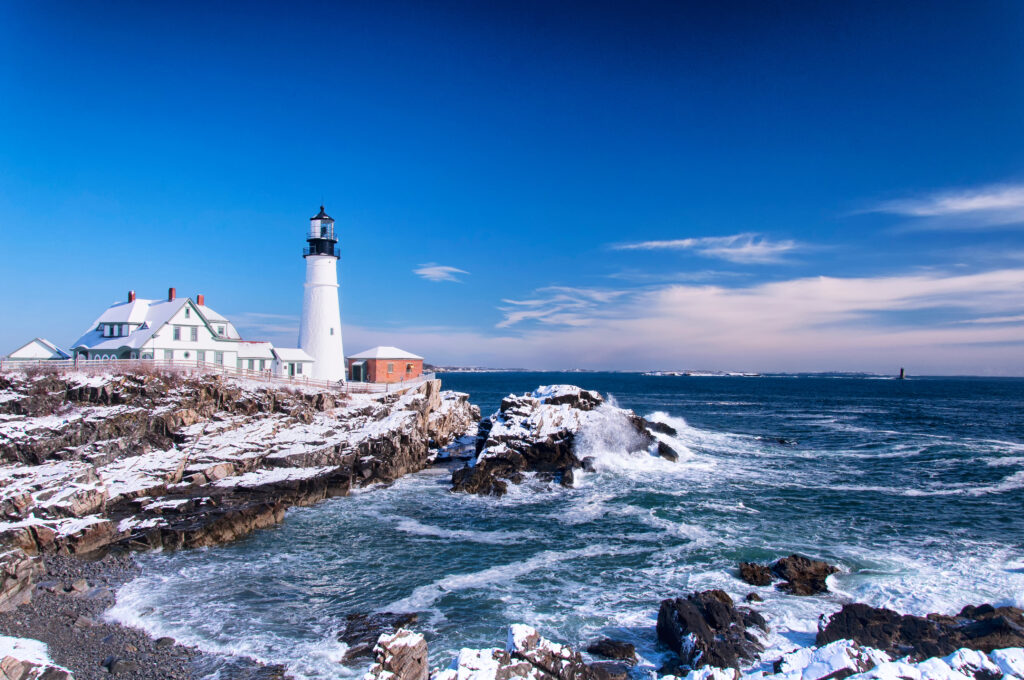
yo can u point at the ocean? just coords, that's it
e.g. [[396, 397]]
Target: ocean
[[914, 488]]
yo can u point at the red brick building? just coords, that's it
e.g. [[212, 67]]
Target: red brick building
[[384, 365]]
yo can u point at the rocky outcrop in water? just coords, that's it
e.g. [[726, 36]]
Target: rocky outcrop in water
[[542, 432], [149, 460], [612, 649], [361, 631], [800, 575], [707, 629], [983, 628]]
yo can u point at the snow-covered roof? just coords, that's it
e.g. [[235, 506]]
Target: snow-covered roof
[[210, 314], [150, 314], [385, 352], [127, 312], [38, 348], [252, 349], [291, 354]]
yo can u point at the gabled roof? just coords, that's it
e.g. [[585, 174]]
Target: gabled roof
[[385, 352], [57, 352], [151, 314], [292, 354]]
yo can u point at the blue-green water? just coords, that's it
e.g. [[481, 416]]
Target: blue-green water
[[916, 488]]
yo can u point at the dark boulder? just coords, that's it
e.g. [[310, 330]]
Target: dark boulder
[[613, 649], [707, 629], [361, 631], [662, 428], [756, 574], [982, 628], [609, 670], [802, 575], [667, 452]]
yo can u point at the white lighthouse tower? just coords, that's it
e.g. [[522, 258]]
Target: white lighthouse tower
[[320, 330]]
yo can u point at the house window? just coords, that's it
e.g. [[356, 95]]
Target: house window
[[186, 355], [201, 355], [391, 368], [218, 358], [252, 364], [188, 313], [177, 332], [106, 331], [220, 330], [408, 368], [239, 363], [298, 368], [332, 331], [194, 333], [168, 354]]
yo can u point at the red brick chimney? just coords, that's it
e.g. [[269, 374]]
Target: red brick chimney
[[171, 295], [131, 296], [200, 299]]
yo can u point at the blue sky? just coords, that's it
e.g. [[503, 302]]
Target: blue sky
[[744, 186]]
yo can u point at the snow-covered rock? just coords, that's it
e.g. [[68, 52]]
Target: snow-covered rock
[[169, 461], [401, 655], [813, 663], [549, 432], [26, 659]]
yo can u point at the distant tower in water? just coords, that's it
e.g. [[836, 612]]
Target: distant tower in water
[[320, 330]]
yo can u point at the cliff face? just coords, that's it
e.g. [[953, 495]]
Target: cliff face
[[160, 461]]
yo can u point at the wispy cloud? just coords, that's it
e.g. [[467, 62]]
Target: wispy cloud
[[438, 272], [558, 305], [1019, 318], [281, 329], [991, 206], [746, 248], [812, 323]]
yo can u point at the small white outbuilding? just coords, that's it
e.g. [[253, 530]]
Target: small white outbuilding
[[37, 349]]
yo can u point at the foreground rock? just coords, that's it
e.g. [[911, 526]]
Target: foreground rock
[[548, 432], [983, 628], [844, 659], [162, 461], [800, 575], [707, 629], [401, 655], [526, 655]]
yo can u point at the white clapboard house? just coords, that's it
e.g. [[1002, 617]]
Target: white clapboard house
[[184, 331]]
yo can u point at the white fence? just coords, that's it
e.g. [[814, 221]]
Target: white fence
[[197, 368]]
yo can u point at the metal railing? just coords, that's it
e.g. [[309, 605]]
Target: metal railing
[[313, 251], [194, 367]]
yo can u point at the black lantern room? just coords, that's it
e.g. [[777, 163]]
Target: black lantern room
[[321, 238]]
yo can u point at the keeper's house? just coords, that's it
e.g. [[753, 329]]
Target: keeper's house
[[384, 365], [180, 330]]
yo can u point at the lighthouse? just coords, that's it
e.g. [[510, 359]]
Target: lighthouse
[[320, 330]]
